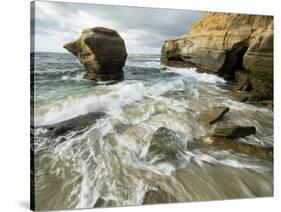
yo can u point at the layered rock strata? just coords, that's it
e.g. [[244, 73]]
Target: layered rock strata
[[102, 51], [234, 46]]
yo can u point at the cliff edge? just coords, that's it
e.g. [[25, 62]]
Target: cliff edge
[[234, 46]]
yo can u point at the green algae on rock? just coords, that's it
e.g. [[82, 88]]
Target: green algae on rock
[[234, 131], [164, 141]]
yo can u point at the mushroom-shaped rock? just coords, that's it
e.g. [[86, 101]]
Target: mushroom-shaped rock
[[102, 51]]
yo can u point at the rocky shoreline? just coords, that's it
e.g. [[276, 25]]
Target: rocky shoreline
[[166, 142], [237, 47]]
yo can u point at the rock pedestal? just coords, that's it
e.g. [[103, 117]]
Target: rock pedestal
[[102, 51]]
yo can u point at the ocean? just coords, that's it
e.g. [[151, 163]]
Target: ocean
[[101, 159]]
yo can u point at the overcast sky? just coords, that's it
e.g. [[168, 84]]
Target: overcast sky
[[143, 29]]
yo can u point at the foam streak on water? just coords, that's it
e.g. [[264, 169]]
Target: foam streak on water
[[105, 164]]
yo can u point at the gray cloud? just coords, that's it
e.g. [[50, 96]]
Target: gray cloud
[[143, 29]]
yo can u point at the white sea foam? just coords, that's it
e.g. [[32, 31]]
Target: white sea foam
[[192, 73], [108, 159], [163, 87], [111, 103], [78, 76], [243, 106], [152, 63]]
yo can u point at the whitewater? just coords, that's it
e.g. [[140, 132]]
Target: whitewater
[[105, 164]]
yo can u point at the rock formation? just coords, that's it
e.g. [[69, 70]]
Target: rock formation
[[234, 131], [158, 196], [227, 143], [102, 52], [74, 124], [234, 46], [164, 141], [228, 138], [213, 115]]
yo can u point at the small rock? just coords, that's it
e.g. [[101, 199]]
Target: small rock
[[253, 97], [101, 203], [214, 115], [245, 85], [267, 103], [239, 96], [234, 131], [164, 141], [158, 196]]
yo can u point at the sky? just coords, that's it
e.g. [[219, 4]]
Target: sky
[[144, 30]]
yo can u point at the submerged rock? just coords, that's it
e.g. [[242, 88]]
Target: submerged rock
[[102, 51], [242, 96], [212, 116], [158, 196], [225, 42], [75, 124], [267, 103], [101, 203], [164, 141], [234, 131], [227, 137], [238, 146], [245, 85], [239, 96]]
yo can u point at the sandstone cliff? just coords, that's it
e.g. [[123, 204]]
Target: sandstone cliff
[[234, 46], [102, 51]]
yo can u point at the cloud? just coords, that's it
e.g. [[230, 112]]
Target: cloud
[[143, 29]]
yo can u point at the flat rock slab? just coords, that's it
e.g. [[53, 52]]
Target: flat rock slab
[[238, 146], [234, 131], [212, 116], [74, 124]]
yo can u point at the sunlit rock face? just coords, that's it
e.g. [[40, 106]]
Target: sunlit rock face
[[102, 51], [224, 43]]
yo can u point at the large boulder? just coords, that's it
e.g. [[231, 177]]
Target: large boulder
[[102, 51], [222, 43]]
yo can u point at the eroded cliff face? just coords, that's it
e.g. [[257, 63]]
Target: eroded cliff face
[[234, 46], [102, 51]]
